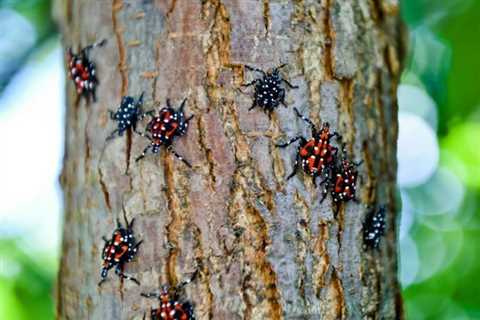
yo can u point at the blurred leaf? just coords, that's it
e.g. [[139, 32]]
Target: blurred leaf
[[10, 308], [431, 12], [26, 282], [443, 59], [429, 60], [455, 23], [463, 152], [462, 33], [38, 13]]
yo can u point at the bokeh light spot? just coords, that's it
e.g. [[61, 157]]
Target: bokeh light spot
[[418, 151], [416, 100]]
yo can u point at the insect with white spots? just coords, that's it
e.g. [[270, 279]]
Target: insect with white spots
[[269, 91], [164, 128], [316, 155], [374, 228], [342, 182], [119, 250], [171, 308], [82, 71], [127, 115]]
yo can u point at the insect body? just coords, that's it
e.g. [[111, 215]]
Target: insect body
[[374, 228], [119, 250], [164, 128], [269, 91], [342, 182], [171, 308], [82, 71], [127, 115], [316, 155]]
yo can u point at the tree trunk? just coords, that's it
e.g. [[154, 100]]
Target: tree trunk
[[265, 247]]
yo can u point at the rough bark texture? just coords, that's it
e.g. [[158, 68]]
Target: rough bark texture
[[265, 247]]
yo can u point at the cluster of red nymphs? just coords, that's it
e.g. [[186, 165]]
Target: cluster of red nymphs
[[318, 158]]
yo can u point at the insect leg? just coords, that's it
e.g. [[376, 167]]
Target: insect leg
[[254, 104], [325, 189], [112, 135], [143, 153], [94, 45], [295, 167], [182, 284], [289, 142], [249, 83], [182, 105], [255, 69], [179, 157], [122, 275], [112, 114], [308, 121], [289, 84], [150, 295]]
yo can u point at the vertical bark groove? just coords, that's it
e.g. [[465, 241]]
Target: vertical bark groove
[[117, 5], [266, 16], [329, 41], [208, 152]]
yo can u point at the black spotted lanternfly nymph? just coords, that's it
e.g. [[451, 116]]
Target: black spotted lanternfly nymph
[[269, 90], [127, 115], [374, 228]]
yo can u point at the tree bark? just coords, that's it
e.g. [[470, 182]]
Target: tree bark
[[265, 247]]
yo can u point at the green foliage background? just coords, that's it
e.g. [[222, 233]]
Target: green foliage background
[[452, 79], [443, 59]]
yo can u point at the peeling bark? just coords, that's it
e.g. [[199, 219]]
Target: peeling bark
[[265, 247]]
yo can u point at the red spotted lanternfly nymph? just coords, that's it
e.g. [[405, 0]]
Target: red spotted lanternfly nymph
[[316, 155], [83, 72], [120, 249]]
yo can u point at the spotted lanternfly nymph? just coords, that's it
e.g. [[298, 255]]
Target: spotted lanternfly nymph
[[269, 92], [317, 154], [374, 228], [127, 115], [343, 179], [82, 71], [119, 250], [171, 308], [162, 130]]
